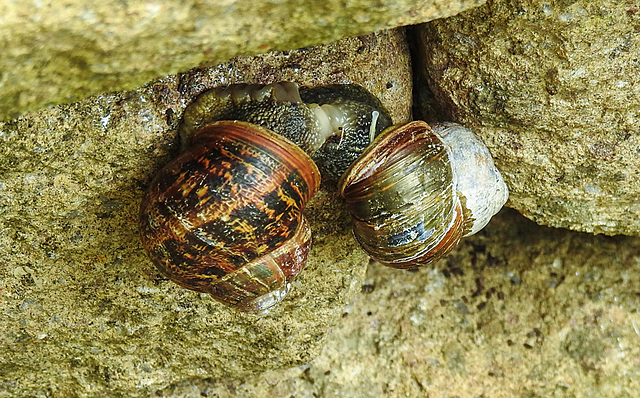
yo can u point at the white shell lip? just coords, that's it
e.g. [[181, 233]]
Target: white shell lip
[[474, 172]]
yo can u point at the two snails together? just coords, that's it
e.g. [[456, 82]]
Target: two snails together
[[225, 217]]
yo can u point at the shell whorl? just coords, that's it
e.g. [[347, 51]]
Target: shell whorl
[[414, 193], [225, 217], [402, 198]]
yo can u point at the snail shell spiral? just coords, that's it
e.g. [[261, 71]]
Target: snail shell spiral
[[413, 194], [225, 217]]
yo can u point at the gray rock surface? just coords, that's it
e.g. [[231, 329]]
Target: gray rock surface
[[552, 87], [83, 312], [63, 51]]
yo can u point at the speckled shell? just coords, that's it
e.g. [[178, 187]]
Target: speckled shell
[[225, 217], [409, 204]]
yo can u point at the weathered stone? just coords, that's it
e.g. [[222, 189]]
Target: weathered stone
[[63, 51], [553, 88], [518, 310], [82, 310]]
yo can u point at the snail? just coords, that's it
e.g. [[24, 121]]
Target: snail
[[225, 217], [417, 189]]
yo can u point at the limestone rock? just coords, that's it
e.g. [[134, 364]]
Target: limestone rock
[[63, 51], [553, 88], [83, 312]]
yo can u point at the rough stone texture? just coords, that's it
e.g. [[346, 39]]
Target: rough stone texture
[[82, 311], [553, 88], [63, 51], [519, 310]]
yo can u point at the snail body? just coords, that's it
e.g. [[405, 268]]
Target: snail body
[[416, 191], [225, 217]]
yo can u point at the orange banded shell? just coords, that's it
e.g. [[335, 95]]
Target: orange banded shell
[[225, 217]]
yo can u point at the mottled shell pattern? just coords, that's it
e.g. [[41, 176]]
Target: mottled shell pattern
[[413, 194], [225, 217]]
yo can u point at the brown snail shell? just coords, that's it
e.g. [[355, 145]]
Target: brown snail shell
[[225, 217], [409, 203]]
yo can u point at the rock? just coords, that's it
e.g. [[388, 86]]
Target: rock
[[60, 52], [557, 316], [552, 88], [83, 311]]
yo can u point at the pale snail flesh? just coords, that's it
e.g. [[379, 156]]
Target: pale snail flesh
[[416, 191]]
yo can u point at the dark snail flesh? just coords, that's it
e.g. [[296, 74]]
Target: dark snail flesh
[[333, 124]]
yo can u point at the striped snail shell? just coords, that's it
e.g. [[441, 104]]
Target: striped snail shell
[[416, 191], [225, 217]]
